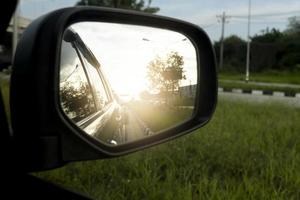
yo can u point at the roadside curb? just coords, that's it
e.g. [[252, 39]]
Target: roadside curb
[[259, 92]]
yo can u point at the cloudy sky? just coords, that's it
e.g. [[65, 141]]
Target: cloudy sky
[[267, 13]]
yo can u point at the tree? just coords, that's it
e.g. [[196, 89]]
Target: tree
[[268, 36], [76, 102], [270, 50], [234, 53], [294, 25], [138, 5], [165, 75]]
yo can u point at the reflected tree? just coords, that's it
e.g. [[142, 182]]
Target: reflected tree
[[77, 102], [165, 74]]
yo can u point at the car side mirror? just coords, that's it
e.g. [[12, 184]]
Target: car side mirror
[[90, 83]]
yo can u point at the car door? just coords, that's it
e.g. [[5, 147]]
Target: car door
[[94, 108]]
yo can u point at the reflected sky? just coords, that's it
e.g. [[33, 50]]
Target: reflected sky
[[124, 52]]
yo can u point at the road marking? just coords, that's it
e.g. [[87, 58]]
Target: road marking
[[278, 94], [237, 91], [257, 92]]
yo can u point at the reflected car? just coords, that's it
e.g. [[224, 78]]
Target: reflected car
[[86, 96]]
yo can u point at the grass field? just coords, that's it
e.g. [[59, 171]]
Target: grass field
[[247, 151], [269, 77]]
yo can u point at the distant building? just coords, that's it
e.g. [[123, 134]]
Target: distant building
[[188, 91], [6, 41], [22, 24]]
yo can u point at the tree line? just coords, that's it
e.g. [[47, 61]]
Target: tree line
[[271, 49], [139, 5]]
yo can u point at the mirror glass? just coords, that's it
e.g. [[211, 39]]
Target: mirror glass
[[120, 83]]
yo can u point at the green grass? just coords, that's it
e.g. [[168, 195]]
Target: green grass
[[247, 151], [252, 86], [269, 77]]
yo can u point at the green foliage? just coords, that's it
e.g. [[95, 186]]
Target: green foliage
[[77, 102], [269, 76], [234, 53], [294, 25], [247, 151], [138, 5], [292, 59], [268, 36], [270, 50]]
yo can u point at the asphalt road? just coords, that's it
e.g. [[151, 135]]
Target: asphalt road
[[290, 101], [134, 128]]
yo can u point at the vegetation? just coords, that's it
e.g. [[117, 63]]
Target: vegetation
[[248, 151], [267, 76], [77, 102], [270, 50], [294, 25], [138, 5], [165, 74]]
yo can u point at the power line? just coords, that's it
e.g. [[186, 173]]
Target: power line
[[268, 14], [281, 17], [209, 25], [259, 21]]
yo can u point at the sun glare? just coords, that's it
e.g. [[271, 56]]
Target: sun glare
[[125, 51]]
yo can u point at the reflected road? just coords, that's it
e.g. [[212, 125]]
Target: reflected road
[[135, 128]]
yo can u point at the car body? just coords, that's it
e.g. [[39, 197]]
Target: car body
[[86, 96]]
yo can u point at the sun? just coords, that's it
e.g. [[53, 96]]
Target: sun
[[128, 85]]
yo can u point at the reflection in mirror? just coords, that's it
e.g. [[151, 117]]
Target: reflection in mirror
[[121, 83]]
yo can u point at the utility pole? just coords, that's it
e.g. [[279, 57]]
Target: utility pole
[[222, 18], [248, 44]]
